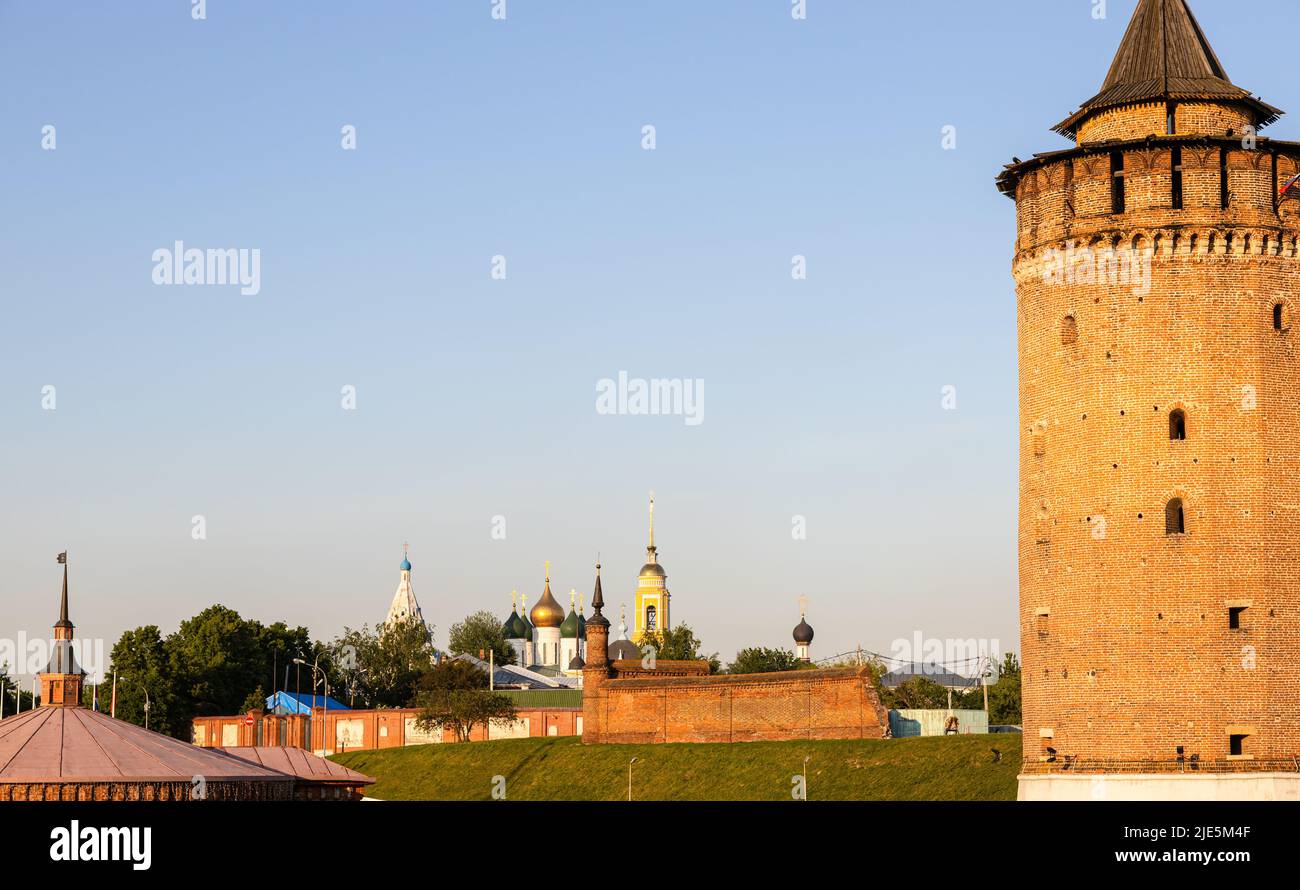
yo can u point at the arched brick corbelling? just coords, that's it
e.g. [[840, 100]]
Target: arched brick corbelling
[[1258, 159], [1094, 165], [1055, 175], [1149, 159]]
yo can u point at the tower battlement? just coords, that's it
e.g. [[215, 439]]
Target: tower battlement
[[1172, 183]]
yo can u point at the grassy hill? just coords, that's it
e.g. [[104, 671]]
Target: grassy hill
[[934, 768]]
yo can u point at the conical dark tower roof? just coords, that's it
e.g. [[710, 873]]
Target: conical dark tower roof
[[1165, 56], [63, 601], [597, 619]]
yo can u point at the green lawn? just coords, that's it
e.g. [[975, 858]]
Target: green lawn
[[933, 768]]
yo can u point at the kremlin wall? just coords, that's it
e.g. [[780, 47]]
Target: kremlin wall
[[630, 700], [812, 704]]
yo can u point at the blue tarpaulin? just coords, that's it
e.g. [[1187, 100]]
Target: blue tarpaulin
[[301, 703]]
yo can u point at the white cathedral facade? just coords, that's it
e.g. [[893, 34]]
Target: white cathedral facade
[[546, 639]]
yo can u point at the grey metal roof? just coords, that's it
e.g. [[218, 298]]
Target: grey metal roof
[[933, 673]]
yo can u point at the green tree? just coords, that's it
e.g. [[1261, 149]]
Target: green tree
[[143, 671], [920, 692], [761, 660], [480, 633], [679, 644], [382, 667], [875, 668], [216, 663], [1004, 695], [455, 694], [256, 699], [279, 645], [12, 693]]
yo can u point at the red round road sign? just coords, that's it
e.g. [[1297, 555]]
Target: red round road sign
[[248, 720]]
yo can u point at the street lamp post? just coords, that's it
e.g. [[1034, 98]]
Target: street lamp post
[[143, 689], [805, 777], [298, 697], [629, 777], [352, 685], [325, 710], [325, 703]]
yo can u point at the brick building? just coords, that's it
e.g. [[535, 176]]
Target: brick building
[[1156, 279], [543, 712], [625, 700]]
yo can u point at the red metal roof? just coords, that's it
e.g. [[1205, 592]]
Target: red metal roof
[[300, 764], [80, 745]]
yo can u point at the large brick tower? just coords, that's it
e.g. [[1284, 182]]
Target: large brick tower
[[1157, 277]]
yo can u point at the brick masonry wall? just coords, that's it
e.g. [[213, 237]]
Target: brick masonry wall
[[1125, 636], [383, 728], [142, 791], [1152, 119], [829, 704]]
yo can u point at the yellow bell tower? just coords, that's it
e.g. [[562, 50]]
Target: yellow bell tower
[[651, 589]]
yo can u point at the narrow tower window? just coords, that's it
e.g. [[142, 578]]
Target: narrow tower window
[[1174, 517], [1177, 172], [1117, 182], [1280, 320], [1236, 745], [1069, 331], [1234, 617], [651, 618], [1177, 425]]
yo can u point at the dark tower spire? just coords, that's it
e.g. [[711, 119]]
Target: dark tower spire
[[1165, 56], [63, 602], [597, 604]]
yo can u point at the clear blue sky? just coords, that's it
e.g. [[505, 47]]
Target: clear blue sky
[[476, 397]]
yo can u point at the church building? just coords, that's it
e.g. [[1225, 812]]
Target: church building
[[650, 605], [546, 640], [550, 642], [404, 604]]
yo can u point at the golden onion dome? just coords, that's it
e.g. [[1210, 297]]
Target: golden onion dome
[[547, 612]]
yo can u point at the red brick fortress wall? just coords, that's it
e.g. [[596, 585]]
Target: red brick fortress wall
[[811, 704]]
